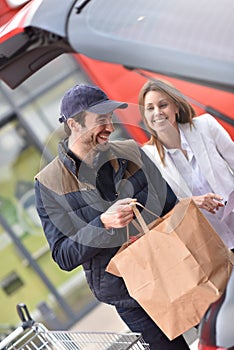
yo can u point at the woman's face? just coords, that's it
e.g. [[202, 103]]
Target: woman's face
[[160, 111]]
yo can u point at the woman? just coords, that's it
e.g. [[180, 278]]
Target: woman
[[194, 154]]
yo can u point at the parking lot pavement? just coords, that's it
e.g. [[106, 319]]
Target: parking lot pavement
[[194, 345], [104, 318], [192, 338]]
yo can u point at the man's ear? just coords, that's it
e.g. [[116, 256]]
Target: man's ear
[[73, 125]]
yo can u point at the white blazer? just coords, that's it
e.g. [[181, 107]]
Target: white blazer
[[214, 152], [213, 149]]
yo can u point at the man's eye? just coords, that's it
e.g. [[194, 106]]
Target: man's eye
[[102, 121]]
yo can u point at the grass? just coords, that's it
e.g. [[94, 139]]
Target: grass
[[33, 290]]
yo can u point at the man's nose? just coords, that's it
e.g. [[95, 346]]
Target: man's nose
[[109, 126]]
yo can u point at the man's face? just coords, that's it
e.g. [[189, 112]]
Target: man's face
[[96, 132]]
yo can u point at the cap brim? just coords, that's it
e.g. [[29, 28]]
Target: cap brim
[[107, 107]]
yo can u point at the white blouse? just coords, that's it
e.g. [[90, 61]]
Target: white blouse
[[189, 168]]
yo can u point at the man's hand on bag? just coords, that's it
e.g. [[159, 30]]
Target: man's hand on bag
[[120, 214], [209, 201]]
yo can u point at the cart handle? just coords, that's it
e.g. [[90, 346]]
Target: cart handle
[[24, 315], [27, 322]]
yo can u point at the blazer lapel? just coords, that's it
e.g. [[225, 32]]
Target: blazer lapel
[[174, 179], [169, 172], [200, 151]]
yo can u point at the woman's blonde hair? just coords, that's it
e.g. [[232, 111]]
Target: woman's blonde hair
[[185, 115]]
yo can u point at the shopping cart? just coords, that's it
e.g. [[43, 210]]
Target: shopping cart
[[35, 336]]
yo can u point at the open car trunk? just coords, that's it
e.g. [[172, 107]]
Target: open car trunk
[[190, 40]]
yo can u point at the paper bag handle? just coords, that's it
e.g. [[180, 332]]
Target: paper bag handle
[[139, 217], [146, 229]]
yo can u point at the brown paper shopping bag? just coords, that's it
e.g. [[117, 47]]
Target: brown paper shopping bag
[[176, 269]]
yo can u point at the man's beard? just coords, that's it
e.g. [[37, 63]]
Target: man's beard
[[102, 147]]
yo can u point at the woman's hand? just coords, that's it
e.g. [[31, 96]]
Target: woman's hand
[[120, 214], [209, 201]]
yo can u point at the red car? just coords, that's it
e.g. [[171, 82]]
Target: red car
[[188, 44]]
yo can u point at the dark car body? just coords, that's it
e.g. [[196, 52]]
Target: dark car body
[[216, 330]]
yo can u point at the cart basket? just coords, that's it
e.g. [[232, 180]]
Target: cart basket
[[35, 336]]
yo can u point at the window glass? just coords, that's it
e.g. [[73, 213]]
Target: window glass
[[35, 109]]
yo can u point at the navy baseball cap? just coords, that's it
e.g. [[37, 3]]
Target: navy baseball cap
[[87, 98]]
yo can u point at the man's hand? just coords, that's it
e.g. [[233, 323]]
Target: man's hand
[[119, 214], [209, 201]]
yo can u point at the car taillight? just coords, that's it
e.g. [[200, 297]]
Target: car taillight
[[207, 347]]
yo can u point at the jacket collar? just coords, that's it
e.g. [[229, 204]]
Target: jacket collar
[[65, 157], [72, 162]]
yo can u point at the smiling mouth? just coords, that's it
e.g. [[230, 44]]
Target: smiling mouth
[[158, 120], [103, 138]]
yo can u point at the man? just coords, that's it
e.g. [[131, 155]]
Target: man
[[83, 199]]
